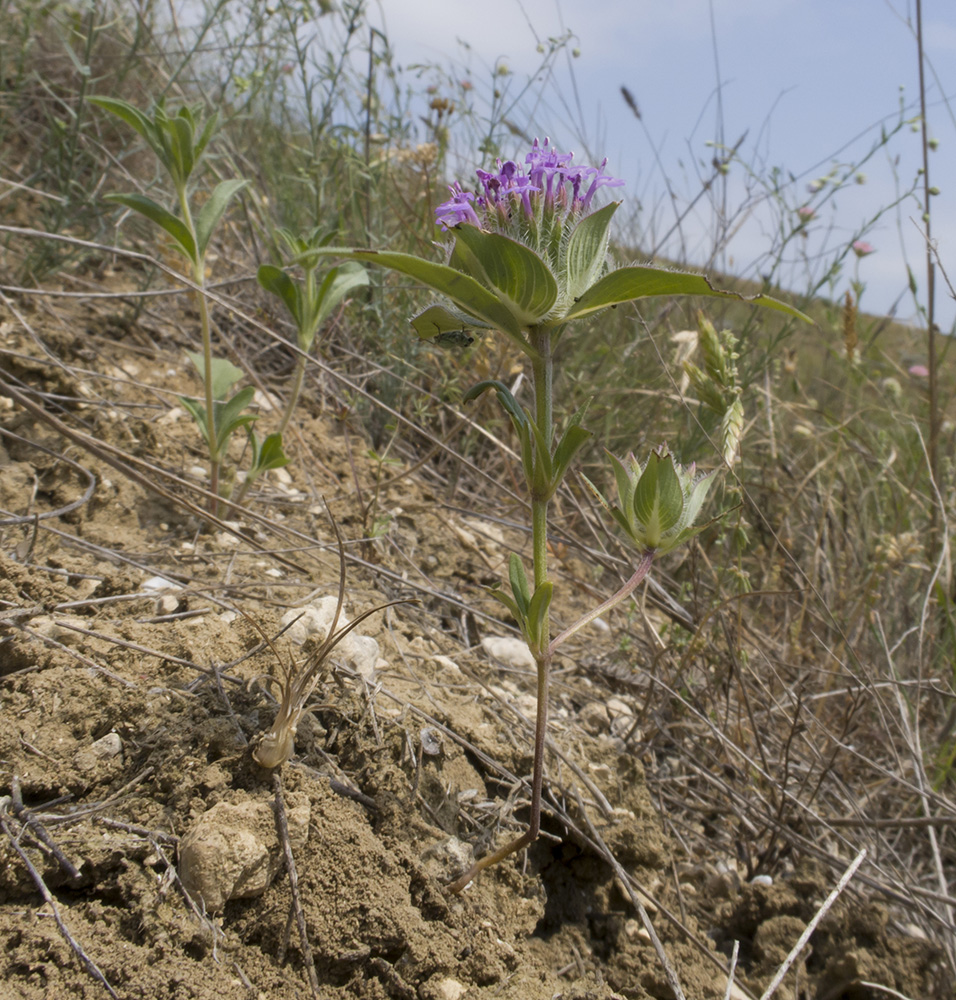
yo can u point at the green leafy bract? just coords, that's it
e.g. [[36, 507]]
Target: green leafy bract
[[464, 291], [629, 283], [519, 277], [587, 250], [658, 499]]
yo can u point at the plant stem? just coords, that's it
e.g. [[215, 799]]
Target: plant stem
[[199, 277], [542, 370], [612, 602], [537, 780], [931, 361], [291, 403]]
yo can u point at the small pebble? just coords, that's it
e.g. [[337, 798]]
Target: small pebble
[[509, 650]]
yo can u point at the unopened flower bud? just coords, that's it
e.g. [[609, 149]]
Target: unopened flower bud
[[659, 501]]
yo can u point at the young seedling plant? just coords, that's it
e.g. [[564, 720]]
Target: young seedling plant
[[527, 256], [309, 303], [179, 141], [295, 682]]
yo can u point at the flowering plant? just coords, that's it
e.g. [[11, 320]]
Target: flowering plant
[[527, 255]]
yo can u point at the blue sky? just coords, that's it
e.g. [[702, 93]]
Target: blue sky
[[810, 82]]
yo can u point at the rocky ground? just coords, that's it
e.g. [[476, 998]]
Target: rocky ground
[[142, 853]]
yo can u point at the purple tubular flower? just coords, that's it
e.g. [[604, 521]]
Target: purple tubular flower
[[457, 209], [547, 172], [545, 167], [492, 185], [601, 180], [523, 188]]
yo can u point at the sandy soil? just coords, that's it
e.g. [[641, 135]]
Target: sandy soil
[[128, 715]]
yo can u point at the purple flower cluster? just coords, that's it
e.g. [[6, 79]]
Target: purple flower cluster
[[565, 188]]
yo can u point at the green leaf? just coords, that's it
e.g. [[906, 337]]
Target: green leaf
[[520, 278], [587, 249], [131, 115], [596, 493], [273, 279], [537, 613], [229, 416], [198, 412], [570, 443], [212, 211], [629, 283], [519, 585], [224, 373], [267, 455], [625, 485], [466, 293], [499, 595], [436, 320], [162, 217], [518, 416], [180, 131], [658, 499], [208, 131], [622, 520], [520, 420], [338, 283], [541, 481]]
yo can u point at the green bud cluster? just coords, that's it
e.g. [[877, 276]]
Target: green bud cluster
[[659, 501]]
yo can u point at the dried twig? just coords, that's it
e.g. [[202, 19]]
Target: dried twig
[[85, 959], [811, 927], [282, 824], [28, 820], [672, 979]]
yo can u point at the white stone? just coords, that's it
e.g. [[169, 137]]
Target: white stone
[[107, 748], [167, 604], [448, 663], [359, 652], [172, 416], [233, 851], [109, 745], [616, 706], [265, 401], [509, 650], [450, 989]]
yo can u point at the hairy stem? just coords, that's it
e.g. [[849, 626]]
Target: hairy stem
[[291, 403], [612, 602], [199, 277], [542, 368], [537, 781]]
